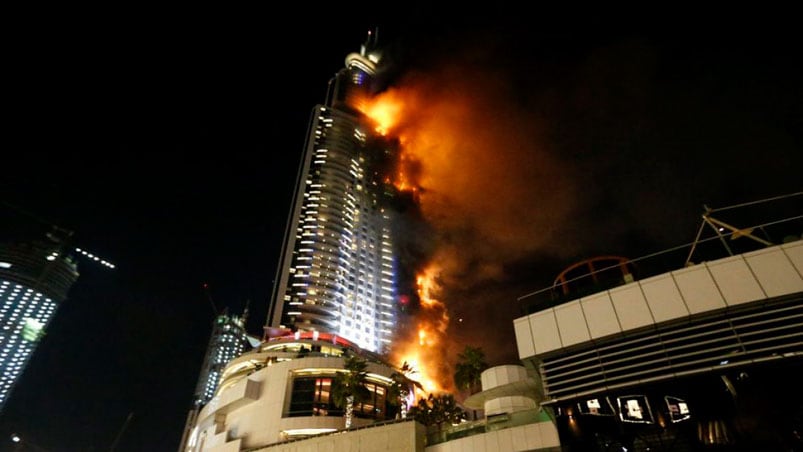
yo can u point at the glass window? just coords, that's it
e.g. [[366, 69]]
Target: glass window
[[312, 396]]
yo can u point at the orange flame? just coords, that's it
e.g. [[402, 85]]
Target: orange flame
[[425, 346], [424, 351], [384, 110]]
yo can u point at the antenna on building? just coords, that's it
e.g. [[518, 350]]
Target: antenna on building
[[245, 311], [209, 297], [370, 41]]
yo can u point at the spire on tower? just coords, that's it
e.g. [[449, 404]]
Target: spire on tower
[[371, 42]]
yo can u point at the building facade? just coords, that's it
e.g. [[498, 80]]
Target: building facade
[[227, 341], [34, 278], [336, 272], [709, 355], [280, 397], [282, 391]]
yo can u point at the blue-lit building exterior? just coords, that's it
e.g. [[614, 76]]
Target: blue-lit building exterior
[[35, 278], [336, 272]]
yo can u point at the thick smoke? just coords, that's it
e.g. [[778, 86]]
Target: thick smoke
[[490, 194], [527, 167]]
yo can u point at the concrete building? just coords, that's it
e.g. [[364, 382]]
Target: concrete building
[[282, 391], [279, 398], [706, 355]]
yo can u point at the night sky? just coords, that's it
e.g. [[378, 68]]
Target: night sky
[[169, 143]]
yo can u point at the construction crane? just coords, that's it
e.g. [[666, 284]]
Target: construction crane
[[62, 237]]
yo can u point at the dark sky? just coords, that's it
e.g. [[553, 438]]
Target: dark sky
[[169, 142]]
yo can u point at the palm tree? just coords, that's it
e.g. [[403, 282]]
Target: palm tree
[[468, 371], [349, 388], [402, 385], [437, 410]]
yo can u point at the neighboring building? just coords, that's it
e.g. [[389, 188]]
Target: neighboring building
[[279, 398], [336, 271], [283, 391], [34, 279], [710, 355], [228, 341], [514, 419]]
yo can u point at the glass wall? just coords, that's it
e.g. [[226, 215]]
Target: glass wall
[[312, 396]]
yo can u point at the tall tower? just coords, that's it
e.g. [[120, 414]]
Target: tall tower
[[336, 270], [34, 278], [228, 341]]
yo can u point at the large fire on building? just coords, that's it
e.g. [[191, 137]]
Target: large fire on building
[[468, 165]]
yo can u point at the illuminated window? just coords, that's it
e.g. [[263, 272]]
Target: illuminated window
[[312, 397]]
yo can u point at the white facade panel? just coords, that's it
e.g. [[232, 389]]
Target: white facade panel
[[698, 289], [505, 440], [468, 445], [391, 438], [795, 252], [600, 315], [524, 337], [532, 434], [571, 323], [508, 404], [735, 280], [491, 440], [630, 306], [502, 375], [545, 331], [489, 379], [774, 271], [549, 434], [231, 446], [515, 373], [518, 438], [663, 298], [478, 443]]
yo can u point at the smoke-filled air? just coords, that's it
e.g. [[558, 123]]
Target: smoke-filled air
[[488, 193]]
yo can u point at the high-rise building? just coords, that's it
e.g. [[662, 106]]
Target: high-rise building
[[336, 271], [228, 341], [34, 278], [615, 357]]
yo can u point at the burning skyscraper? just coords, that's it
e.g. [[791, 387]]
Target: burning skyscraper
[[336, 273]]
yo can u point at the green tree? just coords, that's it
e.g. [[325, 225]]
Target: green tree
[[438, 410], [401, 387], [349, 388], [468, 371]]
